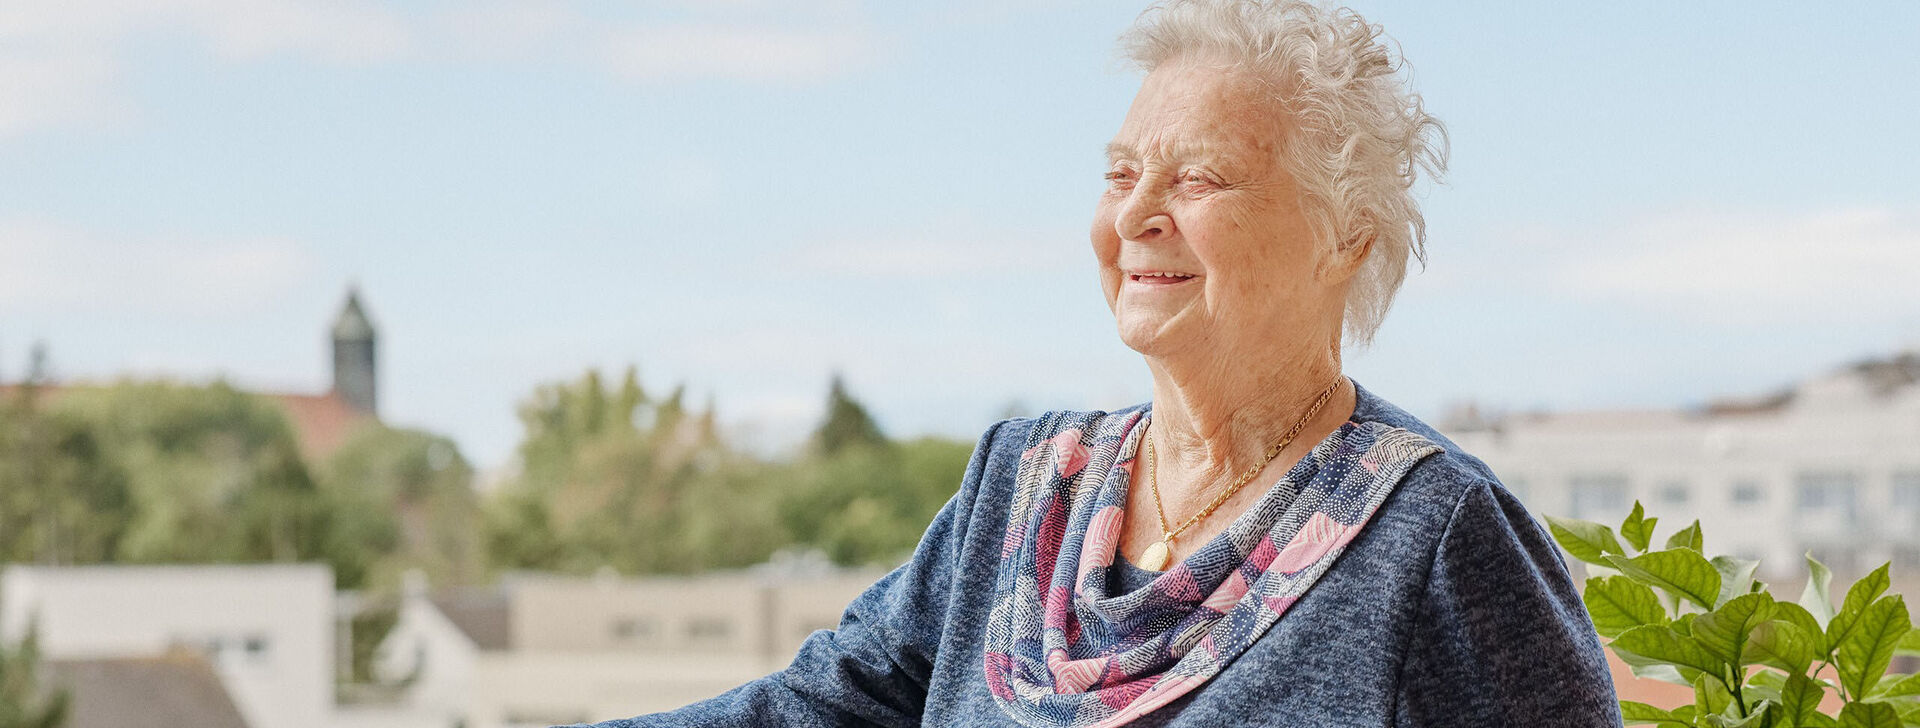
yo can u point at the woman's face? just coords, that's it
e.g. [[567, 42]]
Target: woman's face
[[1200, 238]]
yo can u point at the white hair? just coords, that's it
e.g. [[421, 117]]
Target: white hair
[[1359, 134]]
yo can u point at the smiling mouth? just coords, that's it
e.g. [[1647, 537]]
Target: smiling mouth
[[1160, 279]]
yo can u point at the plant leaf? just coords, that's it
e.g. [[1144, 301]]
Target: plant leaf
[[1868, 647], [1763, 684], [1710, 696], [1618, 603], [1909, 711], [1641, 713], [1869, 715], [1688, 537], [1799, 697], [1862, 593], [1637, 529], [1736, 576], [1724, 631], [1780, 643], [1909, 645], [1585, 540], [1905, 686], [1659, 644], [1682, 572], [1756, 717], [1810, 628], [1814, 597]]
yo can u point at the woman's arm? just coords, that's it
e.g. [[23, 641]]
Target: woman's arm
[[1501, 637], [873, 669]]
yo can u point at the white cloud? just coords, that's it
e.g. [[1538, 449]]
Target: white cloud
[[1724, 267], [56, 267], [680, 52], [748, 40], [923, 257], [60, 62]]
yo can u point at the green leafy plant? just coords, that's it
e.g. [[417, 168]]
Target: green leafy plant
[[1753, 661]]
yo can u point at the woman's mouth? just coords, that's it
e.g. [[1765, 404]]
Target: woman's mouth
[[1160, 279]]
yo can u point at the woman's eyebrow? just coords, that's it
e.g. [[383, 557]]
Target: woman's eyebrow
[[1176, 150]]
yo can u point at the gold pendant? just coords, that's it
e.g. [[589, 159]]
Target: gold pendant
[[1155, 559]]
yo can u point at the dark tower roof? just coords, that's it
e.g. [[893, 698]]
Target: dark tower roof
[[352, 324]]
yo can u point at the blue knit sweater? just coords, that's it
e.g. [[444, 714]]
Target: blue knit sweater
[[1451, 608]]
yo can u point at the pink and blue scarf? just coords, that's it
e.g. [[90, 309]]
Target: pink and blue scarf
[[1062, 652]]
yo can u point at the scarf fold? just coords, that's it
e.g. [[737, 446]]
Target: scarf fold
[[1063, 653]]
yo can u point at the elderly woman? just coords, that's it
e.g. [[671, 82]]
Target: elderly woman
[[1266, 542]]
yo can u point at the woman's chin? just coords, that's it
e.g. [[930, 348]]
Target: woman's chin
[[1150, 339]]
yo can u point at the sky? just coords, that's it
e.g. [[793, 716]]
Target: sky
[[1648, 204]]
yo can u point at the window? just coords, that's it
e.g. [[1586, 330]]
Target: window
[[1747, 493], [709, 628], [1828, 495], [1906, 489], [1599, 497], [632, 629], [1673, 493], [256, 646]]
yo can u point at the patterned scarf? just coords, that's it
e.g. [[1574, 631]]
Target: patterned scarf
[[1062, 652]]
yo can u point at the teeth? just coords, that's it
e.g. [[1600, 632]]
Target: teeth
[[1164, 275]]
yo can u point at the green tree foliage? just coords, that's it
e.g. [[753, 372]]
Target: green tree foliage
[[215, 472], [847, 424], [25, 701], [870, 504], [160, 472], [402, 499], [62, 500], [611, 478]]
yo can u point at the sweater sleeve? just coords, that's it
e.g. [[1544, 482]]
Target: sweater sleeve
[[1501, 637], [873, 669]]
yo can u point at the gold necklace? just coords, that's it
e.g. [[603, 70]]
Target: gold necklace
[[1161, 551]]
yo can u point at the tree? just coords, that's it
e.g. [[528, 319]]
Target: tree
[[62, 500], [402, 499], [24, 701], [214, 473], [616, 479], [847, 423]]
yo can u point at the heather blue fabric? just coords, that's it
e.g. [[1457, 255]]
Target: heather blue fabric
[[1451, 608]]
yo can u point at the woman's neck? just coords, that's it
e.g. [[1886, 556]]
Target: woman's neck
[[1215, 416]]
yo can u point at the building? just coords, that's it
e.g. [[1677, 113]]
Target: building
[[1830, 465], [543, 649], [266, 631], [179, 688]]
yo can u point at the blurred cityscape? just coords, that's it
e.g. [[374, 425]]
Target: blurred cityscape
[[193, 554]]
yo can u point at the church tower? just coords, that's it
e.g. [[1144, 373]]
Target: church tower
[[353, 350]]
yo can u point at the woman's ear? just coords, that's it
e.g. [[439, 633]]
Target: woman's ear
[[1346, 260]]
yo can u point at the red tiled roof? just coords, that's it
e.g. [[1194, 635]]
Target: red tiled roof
[[321, 422]]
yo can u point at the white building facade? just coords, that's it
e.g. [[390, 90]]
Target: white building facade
[[1830, 466], [266, 629]]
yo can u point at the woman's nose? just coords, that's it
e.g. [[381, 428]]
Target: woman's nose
[[1143, 216]]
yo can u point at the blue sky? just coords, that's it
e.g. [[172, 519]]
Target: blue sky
[[1650, 204]]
